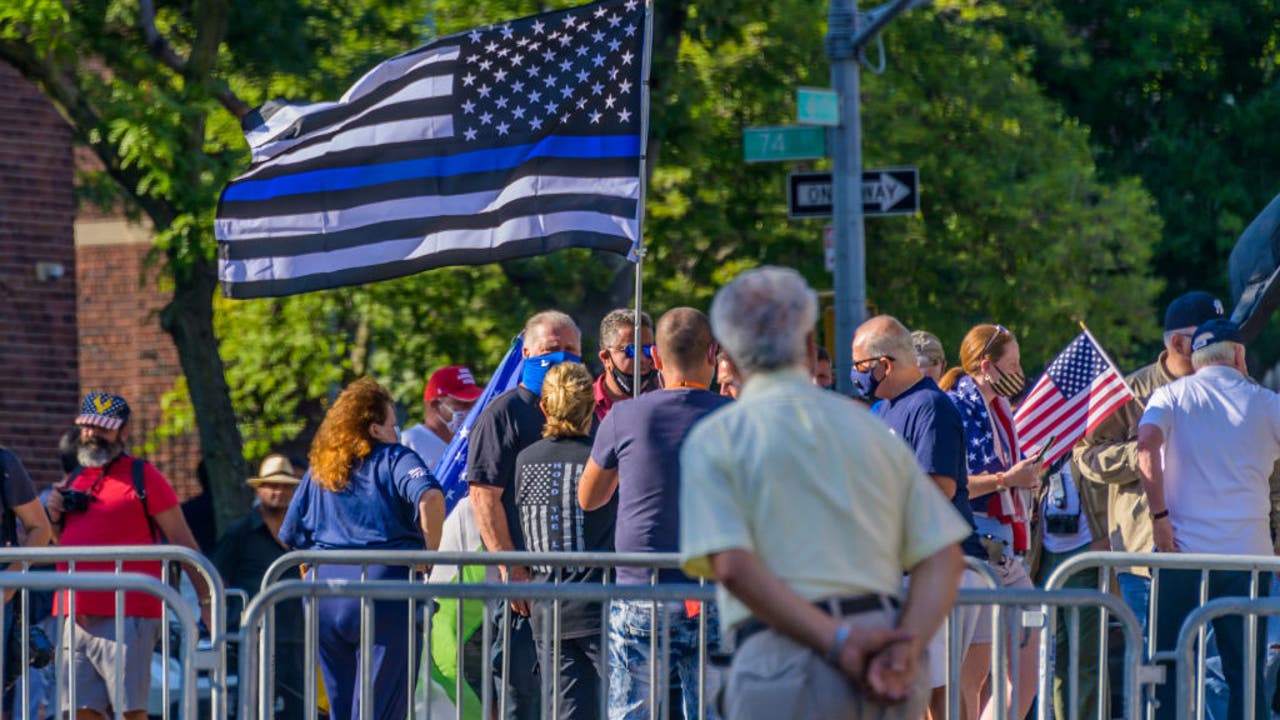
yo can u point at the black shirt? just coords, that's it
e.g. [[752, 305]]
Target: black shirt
[[242, 557], [509, 424], [546, 492], [926, 419]]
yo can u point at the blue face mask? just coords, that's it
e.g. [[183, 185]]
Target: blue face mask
[[535, 368], [866, 382]]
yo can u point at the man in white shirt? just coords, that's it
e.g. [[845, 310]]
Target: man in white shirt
[[450, 393], [1207, 445]]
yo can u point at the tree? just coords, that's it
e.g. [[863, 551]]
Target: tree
[[1184, 94], [155, 91]]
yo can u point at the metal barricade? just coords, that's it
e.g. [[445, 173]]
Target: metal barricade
[[119, 583], [1190, 682], [1009, 600], [1150, 673], [212, 661], [418, 559], [255, 691]]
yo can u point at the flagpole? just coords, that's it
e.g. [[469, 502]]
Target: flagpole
[[1112, 363], [644, 184]]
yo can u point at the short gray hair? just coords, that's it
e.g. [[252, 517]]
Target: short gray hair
[[762, 318], [551, 320], [1219, 353], [618, 319], [894, 341]]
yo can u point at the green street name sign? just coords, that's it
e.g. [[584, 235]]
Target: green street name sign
[[817, 106], [786, 142]]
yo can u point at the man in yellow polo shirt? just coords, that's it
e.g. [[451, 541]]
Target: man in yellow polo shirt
[[808, 511]]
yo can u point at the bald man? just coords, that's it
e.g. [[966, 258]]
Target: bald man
[[918, 412]]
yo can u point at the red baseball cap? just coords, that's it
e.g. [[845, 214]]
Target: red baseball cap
[[455, 381]]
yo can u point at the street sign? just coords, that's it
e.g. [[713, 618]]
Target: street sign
[[893, 191], [785, 142], [817, 106]]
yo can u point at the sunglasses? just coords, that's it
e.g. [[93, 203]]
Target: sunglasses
[[864, 365], [630, 351], [1000, 329]]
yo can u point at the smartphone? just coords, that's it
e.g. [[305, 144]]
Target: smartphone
[[1045, 448]]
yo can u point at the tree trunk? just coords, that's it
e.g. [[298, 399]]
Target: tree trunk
[[188, 319]]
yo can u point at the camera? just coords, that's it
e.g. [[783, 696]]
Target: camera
[[40, 650], [75, 500], [1062, 524]]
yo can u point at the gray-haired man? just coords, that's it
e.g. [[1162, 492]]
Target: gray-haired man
[[807, 511]]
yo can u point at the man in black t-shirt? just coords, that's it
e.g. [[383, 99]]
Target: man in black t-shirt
[[510, 423], [918, 412]]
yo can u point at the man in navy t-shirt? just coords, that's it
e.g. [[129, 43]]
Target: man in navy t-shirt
[[918, 412], [636, 453]]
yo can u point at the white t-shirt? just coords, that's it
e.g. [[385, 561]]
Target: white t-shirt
[[1221, 443], [1063, 498], [427, 444]]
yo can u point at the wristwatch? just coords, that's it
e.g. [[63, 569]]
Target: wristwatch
[[837, 644], [1162, 514]]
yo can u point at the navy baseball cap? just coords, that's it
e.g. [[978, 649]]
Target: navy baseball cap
[[1215, 331], [1192, 310], [103, 410]]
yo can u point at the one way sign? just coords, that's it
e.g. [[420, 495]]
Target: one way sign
[[893, 191]]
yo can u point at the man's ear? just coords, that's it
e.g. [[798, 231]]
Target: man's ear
[[657, 359], [606, 359]]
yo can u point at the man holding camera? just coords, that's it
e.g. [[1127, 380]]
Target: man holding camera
[[115, 499]]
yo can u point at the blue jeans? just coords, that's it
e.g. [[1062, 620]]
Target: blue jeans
[[1136, 592], [630, 632]]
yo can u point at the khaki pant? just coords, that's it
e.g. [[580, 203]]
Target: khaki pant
[[773, 677]]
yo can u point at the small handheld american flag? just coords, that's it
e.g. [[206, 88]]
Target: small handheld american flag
[[1080, 388]]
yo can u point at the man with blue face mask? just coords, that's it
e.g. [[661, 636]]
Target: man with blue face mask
[[510, 423], [885, 371], [450, 393]]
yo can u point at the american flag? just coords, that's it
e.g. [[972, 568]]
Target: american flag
[[510, 140], [1080, 389]]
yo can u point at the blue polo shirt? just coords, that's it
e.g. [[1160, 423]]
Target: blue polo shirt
[[377, 510], [926, 419]]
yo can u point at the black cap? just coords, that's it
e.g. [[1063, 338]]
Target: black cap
[[1192, 310], [1215, 331]]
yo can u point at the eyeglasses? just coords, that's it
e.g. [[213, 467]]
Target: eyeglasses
[[999, 330], [630, 351], [866, 364]]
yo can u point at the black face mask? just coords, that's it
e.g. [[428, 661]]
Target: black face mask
[[626, 383]]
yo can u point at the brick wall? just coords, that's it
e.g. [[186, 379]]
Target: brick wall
[[122, 346], [38, 362]]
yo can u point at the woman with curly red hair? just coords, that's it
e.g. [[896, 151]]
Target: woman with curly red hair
[[364, 491]]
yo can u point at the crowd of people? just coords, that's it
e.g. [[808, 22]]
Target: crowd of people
[[835, 528]]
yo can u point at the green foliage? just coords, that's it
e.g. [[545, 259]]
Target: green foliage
[[1016, 227], [1184, 94]]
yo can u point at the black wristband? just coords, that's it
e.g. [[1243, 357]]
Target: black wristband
[[1162, 514]]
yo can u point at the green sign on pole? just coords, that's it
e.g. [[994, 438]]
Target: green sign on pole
[[817, 106], [786, 142]]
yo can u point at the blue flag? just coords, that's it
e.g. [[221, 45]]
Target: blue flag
[[452, 470]]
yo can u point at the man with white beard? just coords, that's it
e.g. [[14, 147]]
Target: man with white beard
[[115, 499]]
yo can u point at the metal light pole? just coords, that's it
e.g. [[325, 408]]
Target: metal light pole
[[847, 33]]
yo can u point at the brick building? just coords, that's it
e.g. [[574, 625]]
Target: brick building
[[81, 308], [38, 360]]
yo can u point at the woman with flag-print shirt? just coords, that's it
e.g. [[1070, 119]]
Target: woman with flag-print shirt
[[1002, 482]]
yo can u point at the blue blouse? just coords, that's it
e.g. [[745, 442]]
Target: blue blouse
[[377, 510]]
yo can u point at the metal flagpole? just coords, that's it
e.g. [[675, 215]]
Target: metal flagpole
[[646, 63]]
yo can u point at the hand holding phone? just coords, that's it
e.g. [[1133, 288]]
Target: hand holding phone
[[1045, 448]]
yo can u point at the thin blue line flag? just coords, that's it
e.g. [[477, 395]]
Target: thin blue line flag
[[506, 141]]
